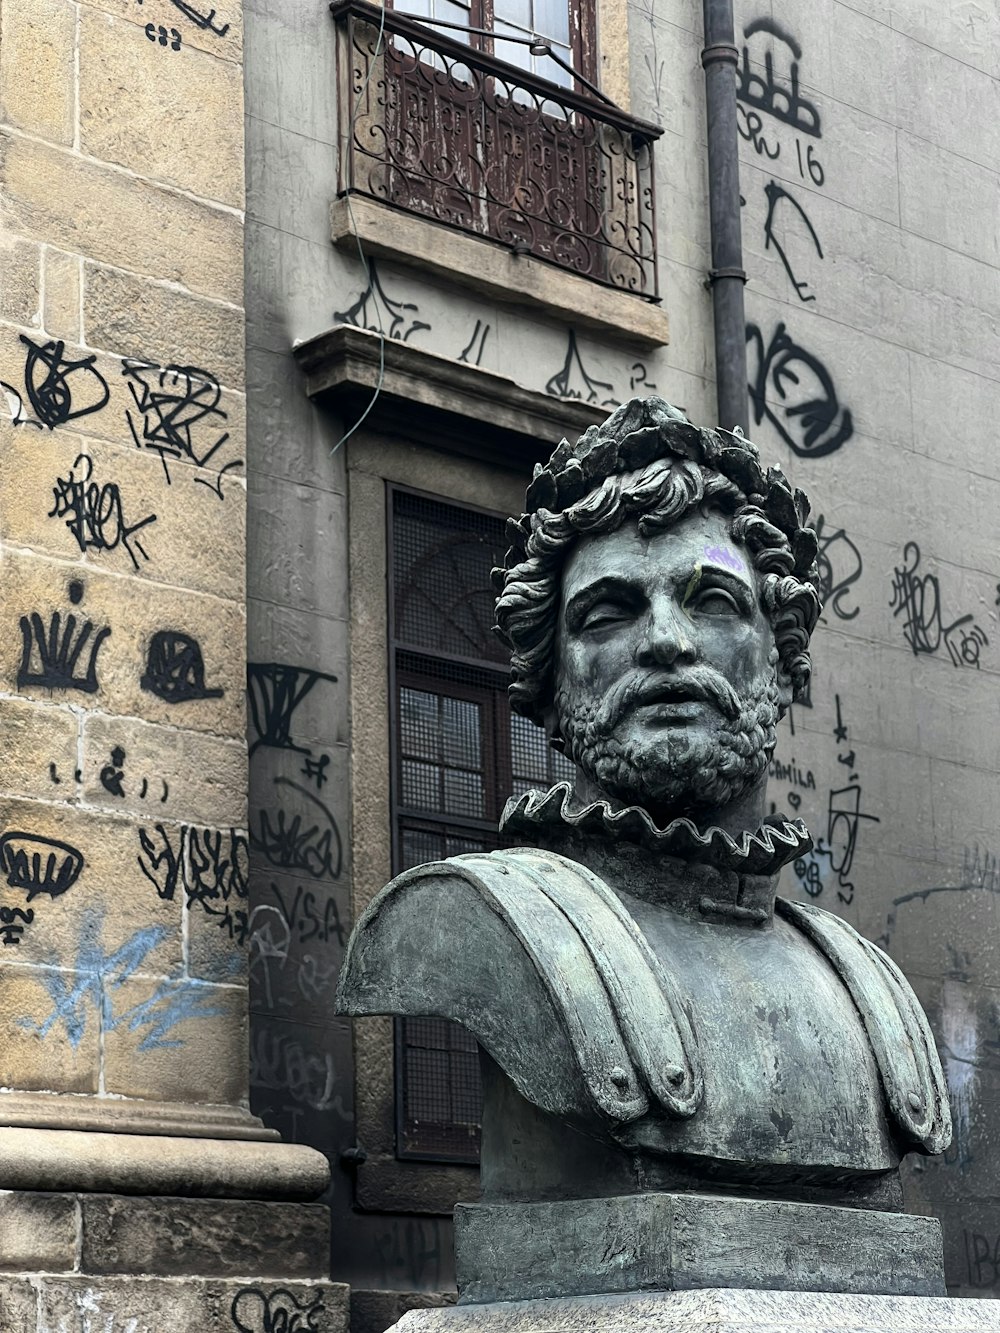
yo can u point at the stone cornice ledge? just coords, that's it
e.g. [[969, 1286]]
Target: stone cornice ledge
[[495, 271], [464, 409], [70, 1160]]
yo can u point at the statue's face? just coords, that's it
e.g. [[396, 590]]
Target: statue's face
[[666, 687]]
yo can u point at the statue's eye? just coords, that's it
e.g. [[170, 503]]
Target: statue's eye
[[604, 614], [716, 602]]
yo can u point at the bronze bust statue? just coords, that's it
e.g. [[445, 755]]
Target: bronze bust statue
[[651, 1016]]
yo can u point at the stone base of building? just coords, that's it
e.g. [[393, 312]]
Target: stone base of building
[[77, 1262], [43, 1304], [675, 1242], [714, 1310]]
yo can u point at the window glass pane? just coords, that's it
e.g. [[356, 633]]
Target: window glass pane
[[442, 557], [463, 793], [448, 11], [421, 785], [419, 724], [466, 1087], [533, 760], [529, 749], [419, 846], [515, 53], [460, 743], [547, 68], [427, 1092], [463, 846], [552, 20], [513, 11], [419, 8]]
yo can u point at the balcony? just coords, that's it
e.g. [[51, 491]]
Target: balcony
[[439, 129]]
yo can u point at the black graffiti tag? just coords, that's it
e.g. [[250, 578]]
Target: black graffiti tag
[[175, 669], [94, 513], [795, 392], [472, 352], [916, 598], [39, 865], [59, 388], [573, 381], [840, 566], [775, 193], [751, 128], [274, 692], [279, 1311], [772, 94], [378, 312], [204, 21], [309, 842], [157, 32], [210, 865], [174, 404], [50, 655], [12, 923], [844, 817]]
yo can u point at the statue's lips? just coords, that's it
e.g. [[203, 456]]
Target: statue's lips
[[671, 710], [670, 701]]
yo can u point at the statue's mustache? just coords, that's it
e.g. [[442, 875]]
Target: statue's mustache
[[636, 688]]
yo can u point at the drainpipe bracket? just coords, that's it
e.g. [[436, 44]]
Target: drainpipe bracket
[[714, 274], [719, 51]]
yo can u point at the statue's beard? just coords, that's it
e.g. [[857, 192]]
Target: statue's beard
[[674, 770]]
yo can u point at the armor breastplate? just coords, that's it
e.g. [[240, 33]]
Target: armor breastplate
[[791, 1041]]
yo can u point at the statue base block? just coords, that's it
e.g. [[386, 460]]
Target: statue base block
[[713, 1311], [660, 1241]]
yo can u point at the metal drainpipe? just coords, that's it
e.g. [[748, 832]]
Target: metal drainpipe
[[719, 59]]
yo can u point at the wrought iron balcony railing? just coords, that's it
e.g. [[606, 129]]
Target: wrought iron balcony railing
[[441, 129]]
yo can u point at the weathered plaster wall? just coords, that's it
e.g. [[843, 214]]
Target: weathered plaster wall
[[122, 528], [871, 240]]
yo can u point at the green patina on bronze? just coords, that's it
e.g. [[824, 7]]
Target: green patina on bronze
[[653, 1019]]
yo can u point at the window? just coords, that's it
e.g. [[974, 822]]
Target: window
[[458, 753], [481, 128], [567, 26]]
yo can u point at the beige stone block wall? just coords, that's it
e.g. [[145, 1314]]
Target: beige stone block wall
[[123, 849]]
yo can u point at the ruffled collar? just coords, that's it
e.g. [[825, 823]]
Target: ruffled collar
[[763, 852]]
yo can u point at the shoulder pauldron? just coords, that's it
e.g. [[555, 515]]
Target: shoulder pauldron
[[897, 1028], [538, 958]]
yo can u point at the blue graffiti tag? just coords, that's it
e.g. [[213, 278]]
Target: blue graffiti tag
[[99, 974]]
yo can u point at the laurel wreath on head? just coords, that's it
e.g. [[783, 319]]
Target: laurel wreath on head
[[641, 432]]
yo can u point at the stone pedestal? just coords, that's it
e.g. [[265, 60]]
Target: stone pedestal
[[636, 1242], [714, 1310], [164, 1265]]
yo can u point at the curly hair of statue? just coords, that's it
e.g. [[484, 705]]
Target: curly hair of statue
[[649, 464]]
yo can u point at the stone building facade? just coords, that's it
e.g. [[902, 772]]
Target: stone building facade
[[139, 1191], [265, 425]]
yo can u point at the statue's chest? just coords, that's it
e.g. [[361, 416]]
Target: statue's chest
[[789, 1072]]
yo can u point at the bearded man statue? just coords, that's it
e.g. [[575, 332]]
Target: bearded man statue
[[663, 1037]]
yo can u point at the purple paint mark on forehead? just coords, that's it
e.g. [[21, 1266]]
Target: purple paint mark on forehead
[[724, 557]]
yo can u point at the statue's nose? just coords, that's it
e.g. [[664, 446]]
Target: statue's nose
[[668, 637]]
